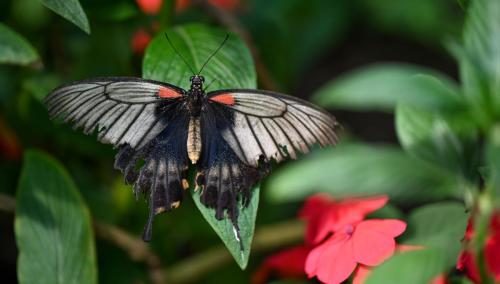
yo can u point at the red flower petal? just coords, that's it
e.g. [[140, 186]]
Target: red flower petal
[[373, 240], [325, 216], [492, 255], [285, 264], [140, 41], [331, 262], [181, 5], [151, 7]]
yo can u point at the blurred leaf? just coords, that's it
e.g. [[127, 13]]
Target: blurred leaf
[[312, 27], [52, 225], [431, 136], [425, 21], [480, 60], [439, 226], [226, 231], [14, 49], [463, 3], [71, 10], [383, 86], [414, 267], [41, 86], [232, 66], [357, 169]]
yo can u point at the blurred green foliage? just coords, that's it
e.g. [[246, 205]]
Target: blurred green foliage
[[439, 122]]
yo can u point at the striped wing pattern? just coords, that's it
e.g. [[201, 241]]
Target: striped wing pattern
[[273, 126], [122, 109]]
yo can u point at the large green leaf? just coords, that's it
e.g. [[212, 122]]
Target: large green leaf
[[480, 59], [450, 142], [239, 248], [415, 267], [439, 226], [492, 156], [353, 169], [382, 86], [71, 10], [14, 49], [231, 67], [52, 226]]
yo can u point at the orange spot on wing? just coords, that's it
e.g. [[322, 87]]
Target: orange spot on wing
[[168, 93], [226, 99]]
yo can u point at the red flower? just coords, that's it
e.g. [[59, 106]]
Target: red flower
[[368, 242], [140, 41], [467, 259], [151, 7], [287, 264], [325, 216], [10, 147], [363, 271]]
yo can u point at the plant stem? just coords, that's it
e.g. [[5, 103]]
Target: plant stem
[[266, 238]]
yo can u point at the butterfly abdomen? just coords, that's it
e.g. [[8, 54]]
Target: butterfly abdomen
[[194, 139]]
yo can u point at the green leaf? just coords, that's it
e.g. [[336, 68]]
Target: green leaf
[[383, 86], [480, 61], [492, 156], [14, 49], [354, 169], [226, 231], [52, 225], [71, 10], [414, 267], [439, 226], [231, 67], [450, 142]]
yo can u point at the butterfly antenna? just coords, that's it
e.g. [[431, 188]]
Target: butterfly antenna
[[213, 81], [214, 53], [180, 55]]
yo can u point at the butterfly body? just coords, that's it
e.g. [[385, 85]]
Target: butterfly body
[[228, 136]]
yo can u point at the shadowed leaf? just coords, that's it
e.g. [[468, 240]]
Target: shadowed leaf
[[52, 226]]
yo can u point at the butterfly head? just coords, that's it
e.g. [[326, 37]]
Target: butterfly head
[[197, 82]]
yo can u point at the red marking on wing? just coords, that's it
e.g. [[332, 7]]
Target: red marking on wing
[[225, 98], [168, 93]]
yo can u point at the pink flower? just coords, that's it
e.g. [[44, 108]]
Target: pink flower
[[326, 216], [287, 264], [151, 7], [367, 242]]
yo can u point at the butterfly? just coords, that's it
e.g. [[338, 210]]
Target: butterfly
[[229, 136]]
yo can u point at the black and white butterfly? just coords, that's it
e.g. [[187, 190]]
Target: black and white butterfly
[[230, 136]]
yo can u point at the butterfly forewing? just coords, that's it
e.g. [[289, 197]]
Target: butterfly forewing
[[271, 125], [123, 110]]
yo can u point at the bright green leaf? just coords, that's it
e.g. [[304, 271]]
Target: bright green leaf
[[231, 67], [446, 141], [414, 267], [52, 225], [71, 10], [227, 232], [14, 49], [381, 87], [439, 226], [354, 169]]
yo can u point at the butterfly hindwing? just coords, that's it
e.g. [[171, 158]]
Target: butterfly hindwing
[[123, 110], [271, 125]]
